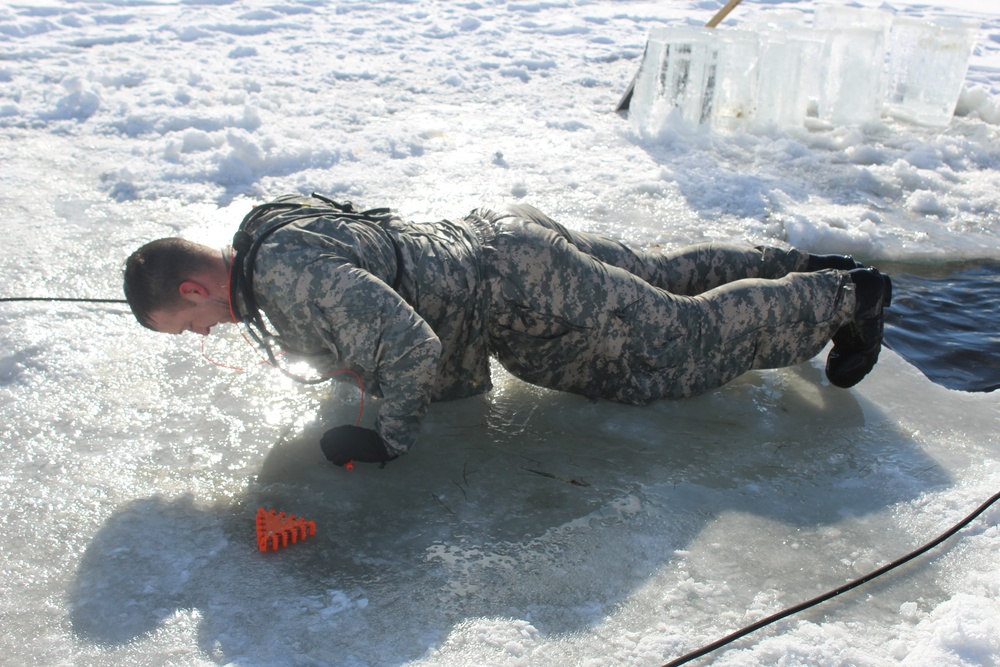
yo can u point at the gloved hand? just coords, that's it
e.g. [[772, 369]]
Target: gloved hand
[[347, 443]]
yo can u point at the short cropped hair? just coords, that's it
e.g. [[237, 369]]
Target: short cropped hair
[[154, 273]]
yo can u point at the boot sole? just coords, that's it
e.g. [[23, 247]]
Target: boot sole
[[848, 369]]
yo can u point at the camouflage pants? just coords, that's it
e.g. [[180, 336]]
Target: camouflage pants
[[577, 312]]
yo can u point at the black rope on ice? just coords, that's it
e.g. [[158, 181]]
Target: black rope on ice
[[8, 299], [834, 593]]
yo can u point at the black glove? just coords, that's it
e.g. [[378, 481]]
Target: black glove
[[347, 443]]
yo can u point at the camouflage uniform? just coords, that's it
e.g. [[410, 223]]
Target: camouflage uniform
[[417, 309]]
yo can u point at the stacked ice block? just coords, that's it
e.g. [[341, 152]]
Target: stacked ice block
[[853, 64], [677, 76], [927, 65], [847, 68]]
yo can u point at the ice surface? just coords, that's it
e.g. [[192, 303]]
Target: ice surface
[[526, 528]]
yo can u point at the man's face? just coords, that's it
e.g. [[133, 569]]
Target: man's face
[[198, 317]]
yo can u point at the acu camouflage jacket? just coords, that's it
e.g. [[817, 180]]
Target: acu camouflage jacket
[[403, 305]]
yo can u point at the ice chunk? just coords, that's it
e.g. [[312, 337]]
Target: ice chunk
[[853, 81], [677, 77], [927, 66], [781, 70], [736, 79], [788, 65], [770, 17]]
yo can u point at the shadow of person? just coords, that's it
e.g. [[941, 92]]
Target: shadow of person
[[529, 505]]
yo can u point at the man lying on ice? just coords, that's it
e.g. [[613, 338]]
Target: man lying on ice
[[416, 309]]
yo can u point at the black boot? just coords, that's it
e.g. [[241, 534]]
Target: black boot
[[856, 346], [842, 262]]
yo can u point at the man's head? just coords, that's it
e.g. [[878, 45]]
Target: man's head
[[174, 285]]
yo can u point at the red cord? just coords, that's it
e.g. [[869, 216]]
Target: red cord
[[210, 360]]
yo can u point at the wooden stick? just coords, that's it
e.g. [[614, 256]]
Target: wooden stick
[[719, 17], [722, 13]]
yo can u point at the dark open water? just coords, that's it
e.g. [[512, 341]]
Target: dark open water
[[945, 320]]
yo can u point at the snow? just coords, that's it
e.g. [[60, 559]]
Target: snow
[[526, 527]]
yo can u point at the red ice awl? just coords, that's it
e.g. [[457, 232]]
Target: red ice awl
[[275, 530]]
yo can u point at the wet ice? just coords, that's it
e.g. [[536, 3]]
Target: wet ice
[[134, 467]]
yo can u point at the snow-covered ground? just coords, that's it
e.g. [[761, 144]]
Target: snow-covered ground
[[526, 527]]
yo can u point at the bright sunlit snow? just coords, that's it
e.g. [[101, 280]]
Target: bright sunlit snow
[[526, 527]]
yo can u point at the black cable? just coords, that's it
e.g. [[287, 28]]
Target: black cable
[[837, 591], [57, 298]]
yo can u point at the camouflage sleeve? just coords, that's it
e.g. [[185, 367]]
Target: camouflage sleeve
[[365, 323]]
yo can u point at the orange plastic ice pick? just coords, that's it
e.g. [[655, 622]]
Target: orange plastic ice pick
[[275, 530]]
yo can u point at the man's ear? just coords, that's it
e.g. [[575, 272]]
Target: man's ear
[[193, 291]]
